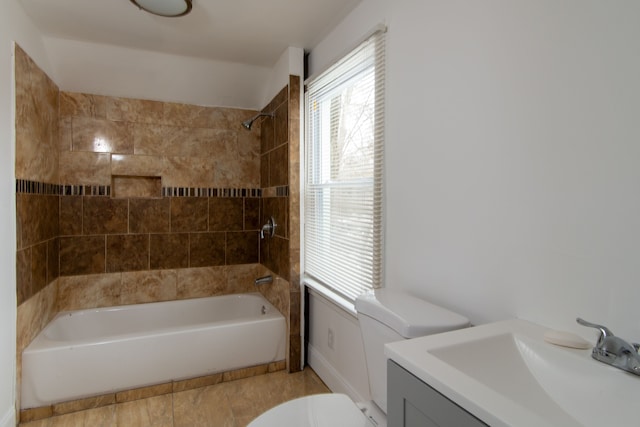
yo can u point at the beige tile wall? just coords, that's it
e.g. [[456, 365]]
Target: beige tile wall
[[186, 145], [110, 289], [295, 314], [36, 122], [101, 234], [280, 182], [36, 161]]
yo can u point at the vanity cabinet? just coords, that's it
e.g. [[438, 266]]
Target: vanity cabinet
[[412, 403]]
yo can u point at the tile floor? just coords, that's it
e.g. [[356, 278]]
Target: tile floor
[[228, 404]]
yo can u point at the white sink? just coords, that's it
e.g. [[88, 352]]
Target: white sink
[[505, 374]]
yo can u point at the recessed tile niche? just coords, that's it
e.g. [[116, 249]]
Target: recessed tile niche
[[136, 186]]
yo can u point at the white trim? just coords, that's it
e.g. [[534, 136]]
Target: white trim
[[338, 301], [9, 419], [303, 309], [379, 27], [331, 377]]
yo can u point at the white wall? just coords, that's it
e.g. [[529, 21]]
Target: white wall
[[14, 26], [512, 157], [291, 62], [340, 363], [117, 71]]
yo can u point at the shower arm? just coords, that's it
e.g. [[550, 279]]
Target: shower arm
[[248, 123]]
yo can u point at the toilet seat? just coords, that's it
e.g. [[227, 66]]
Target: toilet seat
[[319, 410]]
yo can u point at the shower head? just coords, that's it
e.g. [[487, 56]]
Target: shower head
[[248, 123]]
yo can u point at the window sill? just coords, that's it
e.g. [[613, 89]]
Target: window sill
[[333, 297]]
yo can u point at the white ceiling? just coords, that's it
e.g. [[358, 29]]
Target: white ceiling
[[252, 32]]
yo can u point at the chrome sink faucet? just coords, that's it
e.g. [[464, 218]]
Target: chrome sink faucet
[[614, 350]]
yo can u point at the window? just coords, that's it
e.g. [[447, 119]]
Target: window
[[343, 172]]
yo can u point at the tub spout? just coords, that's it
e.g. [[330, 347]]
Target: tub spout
[[265, 280]]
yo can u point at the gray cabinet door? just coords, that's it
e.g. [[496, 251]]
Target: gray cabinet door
[[412, 403]]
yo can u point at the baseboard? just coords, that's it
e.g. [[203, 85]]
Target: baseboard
[[9, 419], [331, 377]]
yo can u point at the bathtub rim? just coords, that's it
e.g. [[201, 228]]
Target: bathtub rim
[[43, 343]]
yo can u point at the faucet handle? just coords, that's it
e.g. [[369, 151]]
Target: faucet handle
[[604, 331], [269, 227]]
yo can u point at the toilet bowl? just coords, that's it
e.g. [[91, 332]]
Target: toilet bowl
[[319, 410], [385, 316]]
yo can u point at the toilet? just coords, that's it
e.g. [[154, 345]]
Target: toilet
[[385, 316]]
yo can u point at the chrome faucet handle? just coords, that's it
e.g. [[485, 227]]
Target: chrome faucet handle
[[269, 228], [604, 331], [614, 350]]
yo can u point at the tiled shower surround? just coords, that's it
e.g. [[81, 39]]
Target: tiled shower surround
[[280, 182], [123, 201]]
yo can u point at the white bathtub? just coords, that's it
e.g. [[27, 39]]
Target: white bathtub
[[97, 351]]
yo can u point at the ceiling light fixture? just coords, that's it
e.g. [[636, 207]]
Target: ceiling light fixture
[[166, 8]]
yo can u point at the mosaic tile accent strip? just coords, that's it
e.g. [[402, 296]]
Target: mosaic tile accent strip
[[24, 186], [85, 190], [270, 192], [210, 192], [282, 191]]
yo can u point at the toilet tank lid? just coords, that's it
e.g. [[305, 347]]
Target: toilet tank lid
[[408, 315]]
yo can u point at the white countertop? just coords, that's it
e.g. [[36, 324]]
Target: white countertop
[[506, 375]]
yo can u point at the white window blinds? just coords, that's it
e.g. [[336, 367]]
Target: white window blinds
[[344, 167]]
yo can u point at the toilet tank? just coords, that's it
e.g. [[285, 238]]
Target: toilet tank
[[386, 316]]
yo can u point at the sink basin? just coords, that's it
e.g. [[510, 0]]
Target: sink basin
[[505, 374]]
